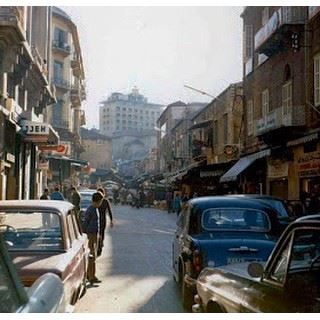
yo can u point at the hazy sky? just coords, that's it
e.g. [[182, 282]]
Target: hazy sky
[[158, 49]]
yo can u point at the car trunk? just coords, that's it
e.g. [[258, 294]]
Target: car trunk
[[238, 247]]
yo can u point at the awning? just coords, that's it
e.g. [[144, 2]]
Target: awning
[[201, 125], [310, 137], [242, 164], [180, 173], [74, 162]]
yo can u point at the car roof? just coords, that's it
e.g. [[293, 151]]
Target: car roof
[[309, 217], [229, 202], [254, 196], [58, 205]]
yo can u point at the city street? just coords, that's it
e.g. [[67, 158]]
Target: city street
[[135, 267]]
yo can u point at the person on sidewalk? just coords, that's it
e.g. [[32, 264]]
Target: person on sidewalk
[[169, 198], [45, 216], [104, 209], [75, 199], [91, 226], [57, 195]]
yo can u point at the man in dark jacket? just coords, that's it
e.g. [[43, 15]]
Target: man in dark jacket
[[104, 209], [91, 226], [75, 199]]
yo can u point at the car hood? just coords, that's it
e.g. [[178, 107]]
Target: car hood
[[218, 250], [31, 266]]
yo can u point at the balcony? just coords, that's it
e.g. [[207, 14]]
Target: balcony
[[75, 96], [61, 47], [271, 37], [12, 19], [61, 84], [279, 125]]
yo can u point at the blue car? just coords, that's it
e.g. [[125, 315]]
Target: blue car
[[216, 231]]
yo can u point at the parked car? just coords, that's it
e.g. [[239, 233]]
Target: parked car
[[44, 236], [86, 198], [215, 231], [45, 295], [289, 281]]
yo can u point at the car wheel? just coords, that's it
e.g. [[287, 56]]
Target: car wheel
[[187, 296]]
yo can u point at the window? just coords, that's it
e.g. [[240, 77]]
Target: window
[[58, 70], [265, 103], [316, 80], [225, 128], [60, 37], [287, 98], [248, 42], [237, 219], [250, 117], [215, 132]]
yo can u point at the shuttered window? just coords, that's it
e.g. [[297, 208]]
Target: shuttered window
[[317, 80], [287, 98], [250, 117]]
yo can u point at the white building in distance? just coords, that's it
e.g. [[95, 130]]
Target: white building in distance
[[128, 113]]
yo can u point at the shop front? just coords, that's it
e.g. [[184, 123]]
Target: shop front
[[277, 177]]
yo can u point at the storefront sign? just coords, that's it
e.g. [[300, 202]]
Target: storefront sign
[[63, 149], [35, 128], [277, 169], [215, 173], [10, 157], [309, 165]]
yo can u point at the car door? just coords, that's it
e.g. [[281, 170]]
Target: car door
[[179, 237]]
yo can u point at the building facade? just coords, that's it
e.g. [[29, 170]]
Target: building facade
[[97, 149], [127, 112], [281, 119], [66, 115], [25, 92]]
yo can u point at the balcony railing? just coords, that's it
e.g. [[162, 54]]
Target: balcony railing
[[62, 46], [13, 16], [61, 83], [265, 40], [276, 119]]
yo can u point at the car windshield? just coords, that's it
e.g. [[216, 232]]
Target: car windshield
[[235, 219], [31, 230]]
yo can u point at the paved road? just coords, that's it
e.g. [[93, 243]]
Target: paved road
[[135, 266]]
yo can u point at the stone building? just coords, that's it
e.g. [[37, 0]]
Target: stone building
[[66, 115], [281, 120], [128, 113], [25, 92], [97, 149]]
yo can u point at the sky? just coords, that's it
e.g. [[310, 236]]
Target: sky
[[159, 50]]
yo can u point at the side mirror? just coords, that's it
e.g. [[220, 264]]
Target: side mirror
[[255, 270]]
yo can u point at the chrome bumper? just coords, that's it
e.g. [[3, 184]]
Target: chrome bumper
[[191, 282]]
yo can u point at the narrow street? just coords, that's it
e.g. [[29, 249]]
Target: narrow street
[[135, 267]]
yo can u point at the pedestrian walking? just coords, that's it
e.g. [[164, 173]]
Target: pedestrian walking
[[45, 216], [104, 210], [91, 226], [169, 198], [177, 204], [57, 195], [75, 199], [45, 194]]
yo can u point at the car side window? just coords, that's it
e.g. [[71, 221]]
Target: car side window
[[9, 298], [279, 269], [71, 227], [75, 224]]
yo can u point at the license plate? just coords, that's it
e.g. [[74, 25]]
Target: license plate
[[235, 260]]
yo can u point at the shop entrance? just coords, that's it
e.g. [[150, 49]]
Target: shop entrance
[[279, 188]]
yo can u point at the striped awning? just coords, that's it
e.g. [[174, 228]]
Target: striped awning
[[303, 140], [242, 164]]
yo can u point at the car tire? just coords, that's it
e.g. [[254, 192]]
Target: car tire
[[187, 296]]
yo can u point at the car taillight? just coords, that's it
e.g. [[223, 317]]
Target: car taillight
[[197, 261]]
